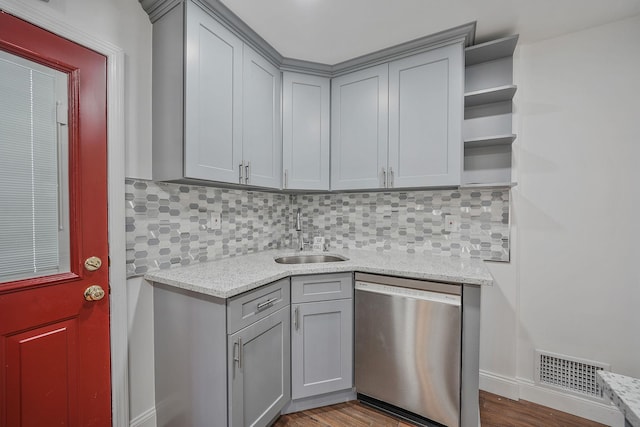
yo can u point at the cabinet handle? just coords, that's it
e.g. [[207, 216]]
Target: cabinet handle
[[384, 177], [268, 303], [286, 178], [240, 170], [391, 178], [295, 318], [247, 172], [237, 355]]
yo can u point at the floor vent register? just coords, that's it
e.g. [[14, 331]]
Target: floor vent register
[[570, 374]]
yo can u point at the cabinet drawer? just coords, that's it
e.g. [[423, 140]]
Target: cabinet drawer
[[250, 307], [321, 287]]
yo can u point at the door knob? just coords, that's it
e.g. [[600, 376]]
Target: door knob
[[92, 263], [94, 293]]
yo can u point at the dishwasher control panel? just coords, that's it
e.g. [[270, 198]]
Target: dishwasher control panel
[[409, 293]]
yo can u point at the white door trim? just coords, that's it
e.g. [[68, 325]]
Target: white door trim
[[116, 173]]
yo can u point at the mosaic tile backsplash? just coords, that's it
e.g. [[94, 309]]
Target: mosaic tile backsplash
[[167, 225], [412, 221]]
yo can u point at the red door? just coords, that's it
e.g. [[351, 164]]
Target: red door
[[54, 341]]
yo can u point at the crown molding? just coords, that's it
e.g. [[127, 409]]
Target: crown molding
[[461, 34]]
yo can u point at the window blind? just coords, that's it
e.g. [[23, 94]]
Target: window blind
[[30, 243]]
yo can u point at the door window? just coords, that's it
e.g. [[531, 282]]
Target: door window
[[34, 171]]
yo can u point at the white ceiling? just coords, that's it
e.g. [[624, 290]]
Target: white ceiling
[[332, 31]]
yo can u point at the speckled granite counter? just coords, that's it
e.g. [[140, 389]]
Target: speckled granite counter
[[624, 392], [232, 276]]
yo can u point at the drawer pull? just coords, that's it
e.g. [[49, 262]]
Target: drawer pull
[[268, 303]]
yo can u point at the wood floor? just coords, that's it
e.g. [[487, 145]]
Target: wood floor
[[495, 411]]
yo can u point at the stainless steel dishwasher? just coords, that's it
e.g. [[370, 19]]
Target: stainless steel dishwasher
[[408, 347]]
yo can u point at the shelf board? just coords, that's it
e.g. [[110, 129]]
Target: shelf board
[[488, 184], [487, 141], [489, 96], [490, 51]]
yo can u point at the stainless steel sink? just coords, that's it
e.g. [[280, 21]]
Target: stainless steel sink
[[306, 259]]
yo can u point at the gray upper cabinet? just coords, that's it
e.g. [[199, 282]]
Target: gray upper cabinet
[[399, 124], [213, 99], [425, 118], [359, 136], [261, 134], [305, 131], [224, 110], [216, 110]]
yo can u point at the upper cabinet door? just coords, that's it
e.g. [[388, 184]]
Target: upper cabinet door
[[213, 99], [261, 134], [425, 118], [359, 120], [305, 131]]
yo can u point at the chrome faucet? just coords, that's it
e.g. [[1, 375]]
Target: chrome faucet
[[299, 229]]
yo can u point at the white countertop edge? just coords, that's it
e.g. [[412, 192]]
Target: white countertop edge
[[192, 278], [618, 388]]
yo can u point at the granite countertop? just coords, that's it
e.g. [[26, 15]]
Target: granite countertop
[[232, 276], [624, 392]]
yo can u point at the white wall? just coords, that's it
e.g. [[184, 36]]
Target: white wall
[[574, 285], [124, 24], [141, 354]]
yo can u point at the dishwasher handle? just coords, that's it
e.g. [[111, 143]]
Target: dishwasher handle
[[408, 293]]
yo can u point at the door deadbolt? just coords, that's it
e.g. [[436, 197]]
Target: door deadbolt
[[92, 263]]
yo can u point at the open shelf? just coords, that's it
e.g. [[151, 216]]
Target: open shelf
[[489, 51], [487, 141], [489, 96], [488, 101]]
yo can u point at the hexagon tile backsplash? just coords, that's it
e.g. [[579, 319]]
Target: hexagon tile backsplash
[[168, 225]]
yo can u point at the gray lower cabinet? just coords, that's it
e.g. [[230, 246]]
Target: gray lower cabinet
[[259, 374], [322, 347], [220, 362], [321, 334]]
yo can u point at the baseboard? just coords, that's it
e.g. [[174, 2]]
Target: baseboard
[[499, 384], [520, 388], [510, 388], [145, 419], [319, 401], [604, 413]]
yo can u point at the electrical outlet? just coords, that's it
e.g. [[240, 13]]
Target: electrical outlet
[[451, 223], [215, 220]]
